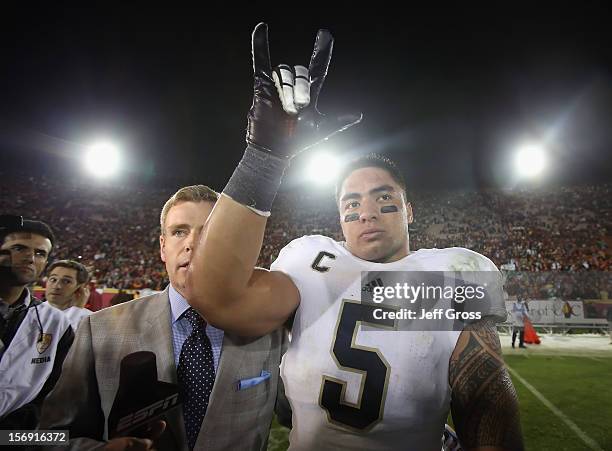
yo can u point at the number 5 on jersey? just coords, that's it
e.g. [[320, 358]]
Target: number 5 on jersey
[[368, 362]]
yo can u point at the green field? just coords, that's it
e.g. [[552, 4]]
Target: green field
[[580, 388]]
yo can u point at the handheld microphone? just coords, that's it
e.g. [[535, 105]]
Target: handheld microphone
[[141, 399]]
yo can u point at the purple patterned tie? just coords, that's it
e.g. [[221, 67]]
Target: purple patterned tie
[[196, 375]]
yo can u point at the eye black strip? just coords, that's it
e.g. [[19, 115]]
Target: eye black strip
[[388, 209]]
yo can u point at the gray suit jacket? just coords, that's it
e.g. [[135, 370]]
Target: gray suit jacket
[[84, 394]]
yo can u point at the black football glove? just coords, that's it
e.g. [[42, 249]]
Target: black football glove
[[283, 119]]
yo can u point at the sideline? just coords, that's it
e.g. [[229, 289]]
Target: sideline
[[592, 444]]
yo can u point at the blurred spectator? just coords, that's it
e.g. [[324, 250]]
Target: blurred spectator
[[121, 297], [95, 301]]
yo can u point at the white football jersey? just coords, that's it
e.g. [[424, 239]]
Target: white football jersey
[[358, 385]]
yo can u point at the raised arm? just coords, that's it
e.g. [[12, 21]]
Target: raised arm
[[222, 283], [483, 400]]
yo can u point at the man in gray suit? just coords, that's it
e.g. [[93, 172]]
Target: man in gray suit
[[241, 400]]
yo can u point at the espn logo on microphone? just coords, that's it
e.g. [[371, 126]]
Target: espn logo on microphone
[[140, 416]]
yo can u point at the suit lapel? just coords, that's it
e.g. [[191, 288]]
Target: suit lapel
[[158, 336]]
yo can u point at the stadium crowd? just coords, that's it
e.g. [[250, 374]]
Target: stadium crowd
[[114, 231]]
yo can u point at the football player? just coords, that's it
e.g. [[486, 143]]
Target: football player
[[349, 386]]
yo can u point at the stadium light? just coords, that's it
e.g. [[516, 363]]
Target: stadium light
[[530, 160], [323, 168], [102, 159]]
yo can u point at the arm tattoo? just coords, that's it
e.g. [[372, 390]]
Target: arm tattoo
[[483, 400]]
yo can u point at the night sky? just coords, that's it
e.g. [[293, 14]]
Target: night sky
[[448, 93]]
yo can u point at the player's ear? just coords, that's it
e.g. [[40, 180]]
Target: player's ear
[[409, 214], [162, 245]]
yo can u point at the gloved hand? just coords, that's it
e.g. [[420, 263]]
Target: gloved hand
[[289, 126]]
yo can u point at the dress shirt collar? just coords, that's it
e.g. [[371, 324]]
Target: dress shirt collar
[[178, 304]]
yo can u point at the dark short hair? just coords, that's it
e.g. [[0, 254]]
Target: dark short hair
[[15, 224], [81, 270], [371, 160]]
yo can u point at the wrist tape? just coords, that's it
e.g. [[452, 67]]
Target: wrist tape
[[256, 180]]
